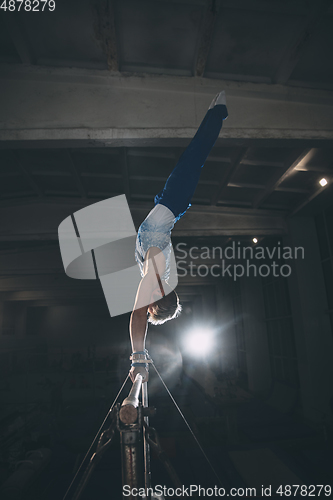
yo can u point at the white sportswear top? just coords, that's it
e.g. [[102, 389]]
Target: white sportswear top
[[155, 231]]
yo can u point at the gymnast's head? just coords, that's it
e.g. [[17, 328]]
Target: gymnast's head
[[163, 309]]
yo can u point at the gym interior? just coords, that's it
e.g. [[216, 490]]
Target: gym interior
[[99, 99]]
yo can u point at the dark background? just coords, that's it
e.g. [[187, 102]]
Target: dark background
[[261, 401]]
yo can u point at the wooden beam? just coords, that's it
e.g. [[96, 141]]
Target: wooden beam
[[205, 37], [228, 174], [318, 12], [290, 164]]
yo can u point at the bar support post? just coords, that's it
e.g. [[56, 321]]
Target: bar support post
[[146, 444]]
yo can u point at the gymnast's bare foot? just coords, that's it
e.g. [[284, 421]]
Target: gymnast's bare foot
[[218, 99]]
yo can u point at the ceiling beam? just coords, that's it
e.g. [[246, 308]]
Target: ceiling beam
[[125, 175], [293, 190], [155, 70], [162, 179], [290, 164], [105, 32], [101, 175], [205, 37], [310, 85], [8, 197], [51, 173], [102, 194], [238, 77], [65, 63], [58, 192], [259, 112], [184, 2], [228, 174], [170, 155], [75, 174], [307, 200], [245, 185], [153, 154], [43, 291], [264, 163], [22, 221], [27, 175], [317, 13], [315, 168], [260, 6], [19, 38]]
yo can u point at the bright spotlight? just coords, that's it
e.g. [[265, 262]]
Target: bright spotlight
[[199, 342], [323, 182], [255, 240]]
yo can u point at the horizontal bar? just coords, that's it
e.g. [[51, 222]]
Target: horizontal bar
[[128, 412]]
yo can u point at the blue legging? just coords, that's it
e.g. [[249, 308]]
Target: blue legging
[[182, 182]]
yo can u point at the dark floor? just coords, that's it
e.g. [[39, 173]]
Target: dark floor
[[235, 433]]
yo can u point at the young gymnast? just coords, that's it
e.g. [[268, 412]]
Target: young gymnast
[[153, 244]]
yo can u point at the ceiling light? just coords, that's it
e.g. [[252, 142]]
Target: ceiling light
[[323, 182]]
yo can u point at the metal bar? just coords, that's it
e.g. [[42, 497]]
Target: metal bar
[[133, 396], [128, 411], [146, 446], [291, 163]]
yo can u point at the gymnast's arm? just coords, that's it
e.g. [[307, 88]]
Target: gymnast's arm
[[138, 321]]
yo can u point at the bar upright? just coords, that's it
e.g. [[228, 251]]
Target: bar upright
[[144, 394]]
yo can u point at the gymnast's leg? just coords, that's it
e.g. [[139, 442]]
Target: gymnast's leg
[[182, 182]]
